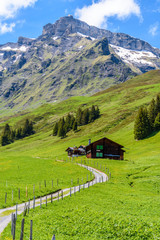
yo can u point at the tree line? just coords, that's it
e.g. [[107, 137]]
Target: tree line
[[83, 117], [10, 135], [148, 119]]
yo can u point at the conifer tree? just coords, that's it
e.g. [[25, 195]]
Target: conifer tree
[[72, 121], [26, 128], [19, 133], [75, 126], [152, 113], [31, 130], [92, 114], [13, 135], [142, 125], [85, 117], [6, 136], [157, 122], [157, 104], [61, 130], [4, 140], [97, 112], [79, 116], [55, 130], [68, 125]]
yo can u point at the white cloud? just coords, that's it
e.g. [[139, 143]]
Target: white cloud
[[98, 13], [4, 27], [8, 10], [153, 30]]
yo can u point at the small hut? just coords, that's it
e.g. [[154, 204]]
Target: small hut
[[75, 152], [104, 148]]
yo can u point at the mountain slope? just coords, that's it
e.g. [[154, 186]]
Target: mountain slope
[[69, 58], [127, 201]]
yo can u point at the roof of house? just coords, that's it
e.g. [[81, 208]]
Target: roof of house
[[108, 140], [75, 148]]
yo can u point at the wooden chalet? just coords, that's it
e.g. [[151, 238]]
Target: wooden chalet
[[75, 152], [104, 148]]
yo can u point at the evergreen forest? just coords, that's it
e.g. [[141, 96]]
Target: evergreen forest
[[148, 119]]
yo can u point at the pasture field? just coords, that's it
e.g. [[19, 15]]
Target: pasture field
[[127, 207]]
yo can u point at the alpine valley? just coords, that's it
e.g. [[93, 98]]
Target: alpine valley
[[70, 58]]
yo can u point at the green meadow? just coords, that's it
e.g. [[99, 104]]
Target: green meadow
[[126, 207]]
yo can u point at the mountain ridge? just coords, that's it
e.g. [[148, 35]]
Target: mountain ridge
[[69, 58]]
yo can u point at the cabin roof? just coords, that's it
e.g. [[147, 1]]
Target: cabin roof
[[108, 140], [75, 148]]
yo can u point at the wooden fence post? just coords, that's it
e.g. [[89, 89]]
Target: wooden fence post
[[5, 198], [46, 200], [28, 206], [14, 226], [26, 192], [53, 238], [51, 198], [62, 194], [40, 202], [22, 229], [25, 210], [58, 196], [19, 193], [34, 202], [31, 229], [16, 210]]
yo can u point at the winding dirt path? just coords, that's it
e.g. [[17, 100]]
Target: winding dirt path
[[5, 214]]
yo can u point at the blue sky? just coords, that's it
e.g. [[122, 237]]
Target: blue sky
[[138, 18]]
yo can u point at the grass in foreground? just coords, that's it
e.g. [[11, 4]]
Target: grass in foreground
[[125, 208]]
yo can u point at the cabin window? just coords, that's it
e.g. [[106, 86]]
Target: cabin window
[[99, 147], [98, 154]]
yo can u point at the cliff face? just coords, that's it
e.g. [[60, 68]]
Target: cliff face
[[69, 25], [69, 58]]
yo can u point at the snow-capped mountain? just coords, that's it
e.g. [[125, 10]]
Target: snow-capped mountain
[[69, 58]]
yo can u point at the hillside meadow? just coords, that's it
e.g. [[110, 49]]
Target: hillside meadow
[[127, 207]]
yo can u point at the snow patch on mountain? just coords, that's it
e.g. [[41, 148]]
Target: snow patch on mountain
[[85, 36], [8, 48], [133, 56], [55, 38]]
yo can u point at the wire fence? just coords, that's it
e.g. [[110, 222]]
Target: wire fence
[[60, 194]]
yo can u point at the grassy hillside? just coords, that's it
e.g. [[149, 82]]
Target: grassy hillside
[[125, 208]]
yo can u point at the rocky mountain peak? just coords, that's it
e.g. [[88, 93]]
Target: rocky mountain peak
[[25, 41], [68, 25]]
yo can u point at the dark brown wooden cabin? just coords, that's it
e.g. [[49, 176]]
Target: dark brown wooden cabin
[[74, 151], [105, 148]]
